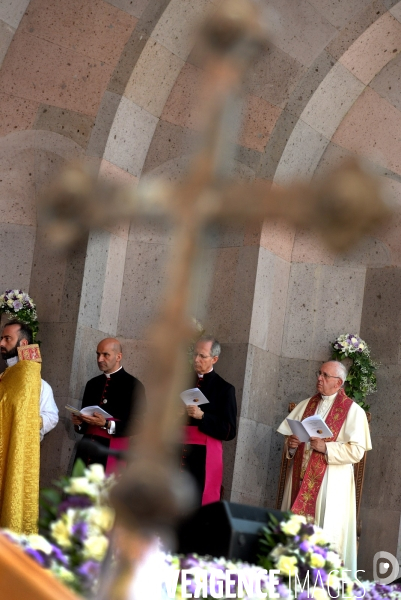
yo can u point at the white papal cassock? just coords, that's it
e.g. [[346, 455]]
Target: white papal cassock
[[335, 505]]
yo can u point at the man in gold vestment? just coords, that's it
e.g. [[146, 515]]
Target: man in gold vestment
[[20, 387]]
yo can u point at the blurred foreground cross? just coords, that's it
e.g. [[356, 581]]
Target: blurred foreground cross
[[342, 208]]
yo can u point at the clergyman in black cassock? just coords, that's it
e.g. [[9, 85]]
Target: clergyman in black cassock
[[122, 396], [209, 424]]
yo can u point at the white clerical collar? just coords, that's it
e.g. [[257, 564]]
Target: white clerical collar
[[12, 361], [108, 374], [325, 398], [200, 375]]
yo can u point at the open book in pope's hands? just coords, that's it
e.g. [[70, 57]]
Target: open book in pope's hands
[[313, 426], [88, 411]]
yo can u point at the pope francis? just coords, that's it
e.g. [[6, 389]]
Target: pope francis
[[320, 482]]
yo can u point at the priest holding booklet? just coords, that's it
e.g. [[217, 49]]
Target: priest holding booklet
[[320, 482], [210, 423], [116, 400]]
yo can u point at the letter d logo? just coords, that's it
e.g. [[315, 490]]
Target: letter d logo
[[385, 567]]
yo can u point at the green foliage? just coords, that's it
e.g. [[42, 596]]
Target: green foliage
[[270, 537], [79, 468], [361, 380]]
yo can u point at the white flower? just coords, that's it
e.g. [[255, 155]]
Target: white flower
[[277, 551], [319, 594], [63, 574], [10, 302], [81, 485], [95, 473], [95, 547], [61, 532], [100, 519], [318, 538], [334, 559], [293, 525], [38, 542], [317, 561]]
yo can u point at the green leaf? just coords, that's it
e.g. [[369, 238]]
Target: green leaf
[[79, 468]]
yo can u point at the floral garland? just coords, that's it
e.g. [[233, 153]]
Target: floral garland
[[361, 379], [18, 304]]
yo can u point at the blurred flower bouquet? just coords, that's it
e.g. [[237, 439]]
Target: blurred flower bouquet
[[17, 304], [361, 379], [74, 526], [304, 558]]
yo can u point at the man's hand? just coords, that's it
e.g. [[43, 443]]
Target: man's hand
[[195, 412], [318, 444], [97, 419], [76, 420], [293, 442]]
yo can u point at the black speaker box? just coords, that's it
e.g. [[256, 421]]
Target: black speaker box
[[225, 529]]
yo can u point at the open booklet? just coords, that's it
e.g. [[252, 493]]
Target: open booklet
[[194, 397], [88, 411], [313, 426]]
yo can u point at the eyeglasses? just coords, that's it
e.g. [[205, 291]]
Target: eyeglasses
[[201, 356], [326, 375]]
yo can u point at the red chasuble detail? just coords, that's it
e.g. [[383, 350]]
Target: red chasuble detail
[[303, 497]]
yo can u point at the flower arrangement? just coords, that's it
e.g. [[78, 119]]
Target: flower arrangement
[[74, 540], [300, 551], [361, 379], [18, 304], [74, 527]]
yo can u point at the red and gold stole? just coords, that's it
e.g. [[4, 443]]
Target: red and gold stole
[[303, 497]]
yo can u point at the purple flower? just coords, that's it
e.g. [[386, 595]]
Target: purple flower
[[38, 556], [189, 562], [304, 546], [319, 576], [80, 531], [307, 529], [283, 591], [89, 569], [320, 550], [58, 555], [17, 305], [74, 502]]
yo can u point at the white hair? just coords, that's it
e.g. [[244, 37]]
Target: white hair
[[340, 368]]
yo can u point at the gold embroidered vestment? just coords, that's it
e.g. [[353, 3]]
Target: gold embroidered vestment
[[20, 387]]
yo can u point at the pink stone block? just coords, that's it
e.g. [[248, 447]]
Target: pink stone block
[[93, 28], [258, 120], [42, 71], [309, 248], [374, 48], [17, 186], [278, 236], [16, 113], [183, 106], [372, 128]]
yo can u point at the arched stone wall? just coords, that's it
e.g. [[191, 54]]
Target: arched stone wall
[[117, 82]]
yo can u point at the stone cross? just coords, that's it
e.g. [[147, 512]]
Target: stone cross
[[342, 208]]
